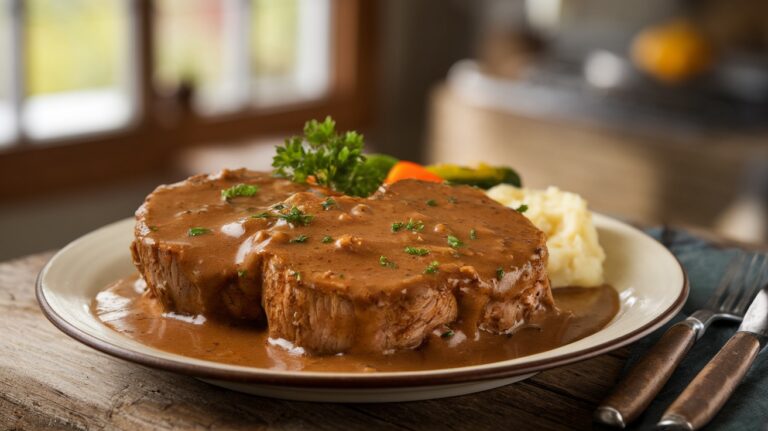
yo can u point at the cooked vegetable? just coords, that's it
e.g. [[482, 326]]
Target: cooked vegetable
[[404, 170], [483, 176]]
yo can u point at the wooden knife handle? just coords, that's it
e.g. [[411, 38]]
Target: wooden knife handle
[[712, 387], [636, 391]]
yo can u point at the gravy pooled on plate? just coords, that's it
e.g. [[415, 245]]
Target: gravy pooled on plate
[[126, 307]]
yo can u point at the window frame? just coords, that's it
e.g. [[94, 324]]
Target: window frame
[[147, 144]]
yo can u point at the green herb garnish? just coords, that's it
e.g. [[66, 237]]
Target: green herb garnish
[[417, 251], [431, 202], [454, 242], [522, 208], [328, 203], [414, 225], [396, 226], [327, 239], [154, 228], [432, 267], [245, 190], [299, 239], [197, 231], [262, 215], [333, 159], [278, 207], [296, 217], [242, 273], [447, 334], [499, 273], [472, 234], [385, 262]]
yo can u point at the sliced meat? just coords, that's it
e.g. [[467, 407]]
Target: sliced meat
[[343, 274], [198, 274]]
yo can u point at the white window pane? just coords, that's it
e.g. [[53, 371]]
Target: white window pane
[[7, 120], [198, 43], [290, 50], [78, 79]]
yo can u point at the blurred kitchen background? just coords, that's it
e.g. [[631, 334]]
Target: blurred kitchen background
[[655, 111]]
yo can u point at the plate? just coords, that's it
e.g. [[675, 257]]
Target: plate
[[651, 283]]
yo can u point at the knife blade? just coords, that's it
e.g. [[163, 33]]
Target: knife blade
[[712, 387]]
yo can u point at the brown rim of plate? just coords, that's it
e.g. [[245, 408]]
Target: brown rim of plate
[[366, 380]]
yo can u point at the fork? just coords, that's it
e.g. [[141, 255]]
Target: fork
[[644, 381]]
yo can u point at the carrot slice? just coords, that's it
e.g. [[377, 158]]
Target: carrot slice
[[403, 170]]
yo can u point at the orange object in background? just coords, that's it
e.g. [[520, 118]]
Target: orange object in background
[[672, 52], [403, 170]]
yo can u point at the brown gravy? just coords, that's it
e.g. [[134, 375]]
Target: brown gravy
[[124, 307]]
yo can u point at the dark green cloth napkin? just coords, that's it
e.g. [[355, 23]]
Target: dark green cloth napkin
[[705, 263]]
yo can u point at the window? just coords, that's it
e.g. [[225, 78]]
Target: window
[[91, 82], [7, 112], [241, 53], [77, 73]]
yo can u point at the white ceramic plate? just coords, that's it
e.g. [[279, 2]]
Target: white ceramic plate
[[651, 283]]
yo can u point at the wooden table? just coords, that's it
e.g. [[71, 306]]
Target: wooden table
[[49, 381]]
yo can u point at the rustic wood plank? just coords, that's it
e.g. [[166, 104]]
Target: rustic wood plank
[[48, 381]]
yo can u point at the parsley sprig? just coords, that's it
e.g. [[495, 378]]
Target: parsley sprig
[[333, 159]]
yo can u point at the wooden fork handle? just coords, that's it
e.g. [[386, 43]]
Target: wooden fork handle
[[712, 387], [646, 378]]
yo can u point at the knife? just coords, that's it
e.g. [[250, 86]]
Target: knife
[[712, 387]]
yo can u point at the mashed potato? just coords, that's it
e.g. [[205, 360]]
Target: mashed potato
[[575, 256]]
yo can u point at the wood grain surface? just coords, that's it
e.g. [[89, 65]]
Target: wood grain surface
[[49, 381]]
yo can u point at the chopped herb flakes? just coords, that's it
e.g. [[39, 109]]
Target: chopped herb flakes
[[327, 239], [414, 225], [522, 208], [328, 203], [244, 190], [262, 215], [472, 234], [454, 242], [396, 226], [417, 251], [432, 267], [447, 334], [432, 202], [299, 239], [296, 217], [499, 273], [385, 262], [154, 228], [197, 231], [296, 274], [242, 273]]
